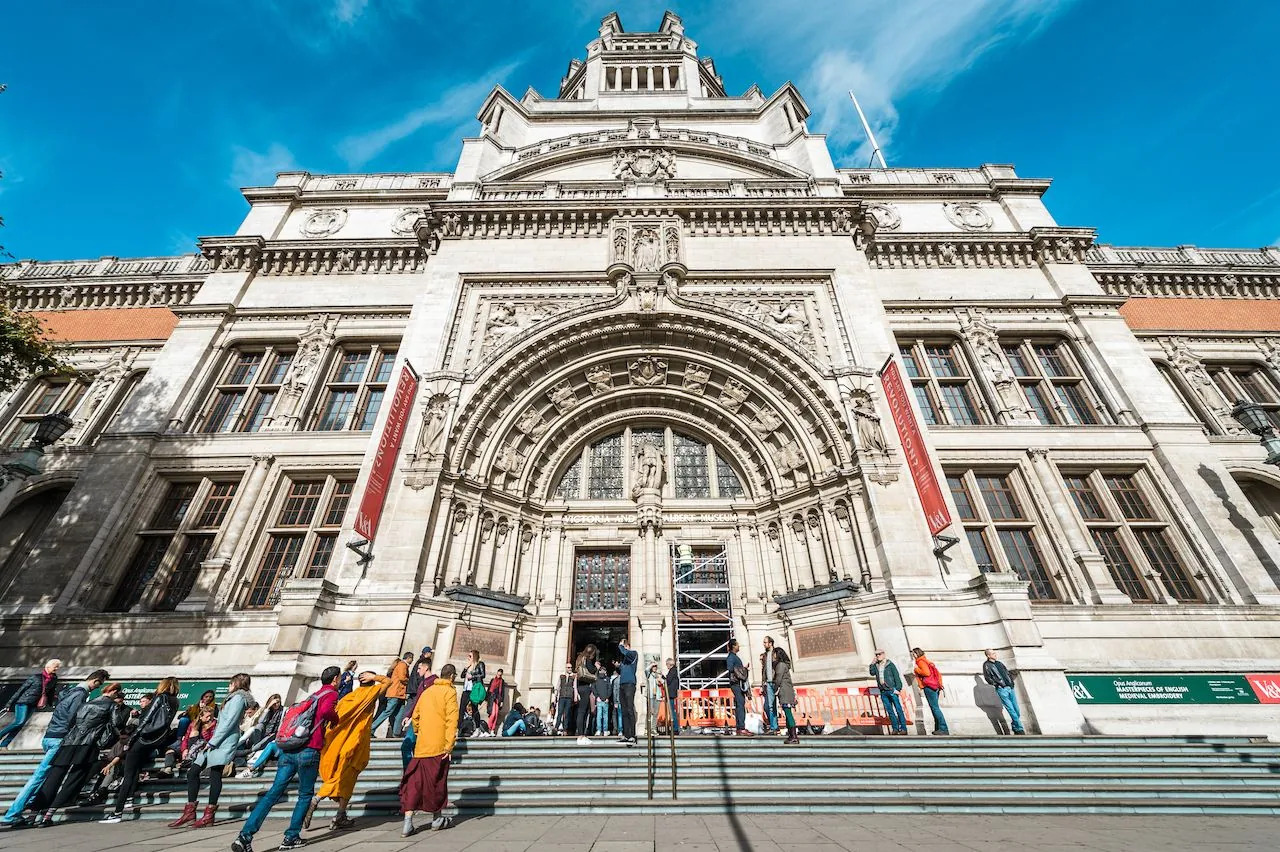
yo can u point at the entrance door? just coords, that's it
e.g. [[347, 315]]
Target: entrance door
[[605, 635], [601, 602]]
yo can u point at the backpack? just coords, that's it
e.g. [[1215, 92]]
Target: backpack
[[297, 726]]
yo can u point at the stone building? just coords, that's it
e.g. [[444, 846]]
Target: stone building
[[648, 321]]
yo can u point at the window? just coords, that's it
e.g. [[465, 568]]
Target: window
[[1132, 537], [693, 468], [173, 544], [246, 390], [46, 396], [1001, 535], [1055, 387], [941, 382], [302, 538], [357, 383], [602, 580], [1250, 383]]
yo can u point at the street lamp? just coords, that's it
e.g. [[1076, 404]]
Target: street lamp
[[49, 429], [1253, 417]]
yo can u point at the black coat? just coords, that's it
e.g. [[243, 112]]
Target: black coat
[[153, 727], [64, 713], [94, 718], [29, 692]]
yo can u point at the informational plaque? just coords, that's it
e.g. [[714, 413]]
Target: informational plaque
[[828, 640], [492, 644], [1175, 689]]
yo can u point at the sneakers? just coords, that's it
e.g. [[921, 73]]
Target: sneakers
[[584, 740], [342, 821], [407, 829], [242, 844], [441, 823], [628, 741], [292, 843], [111, 819], [246, 773]]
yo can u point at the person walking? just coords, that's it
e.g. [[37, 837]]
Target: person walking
[[600, 700], [739, 683], [305, 764], [419, 680], [770, 692], [97, 724], [785, 690], [673, 695], [397, 690], [473, 689], [425, 783], [627, 691], [996, 674], [347, 682], [150, 736], [564, 701], [221, 751], [584, 671], [37, 692], [346, 747], [615, 699], [64, 717], [930, 680], [889, 682]]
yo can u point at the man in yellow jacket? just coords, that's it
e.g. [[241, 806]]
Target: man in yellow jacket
[[424, 786]]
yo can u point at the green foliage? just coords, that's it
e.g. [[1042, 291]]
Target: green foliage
[[24, 348]]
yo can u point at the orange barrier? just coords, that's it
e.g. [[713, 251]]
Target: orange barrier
[[815, 707]]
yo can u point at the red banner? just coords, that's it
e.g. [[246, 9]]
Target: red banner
[[384, 461], [1266, 687], [931, 499]]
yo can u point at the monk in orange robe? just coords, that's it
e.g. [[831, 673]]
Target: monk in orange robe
[[346, 747]]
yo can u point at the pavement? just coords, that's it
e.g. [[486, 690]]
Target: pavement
[[758, 832]]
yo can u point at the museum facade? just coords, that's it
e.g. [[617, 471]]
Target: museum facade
[[647, 364]]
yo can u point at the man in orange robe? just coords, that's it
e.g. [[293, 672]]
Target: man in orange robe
[[346, 746]]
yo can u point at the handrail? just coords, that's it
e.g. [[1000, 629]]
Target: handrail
[[651, 757], [671, 734]]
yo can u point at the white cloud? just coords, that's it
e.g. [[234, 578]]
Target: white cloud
[[455, 106], [347, 11], [252, 168]]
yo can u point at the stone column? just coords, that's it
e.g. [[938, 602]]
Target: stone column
[[734, 553], [799, 540], [209, 588], [778, 554], [1102, 587], [666, 76], [460, 557], [841, 533], [824, 568]]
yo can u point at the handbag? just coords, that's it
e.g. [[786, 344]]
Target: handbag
[[478, 693]]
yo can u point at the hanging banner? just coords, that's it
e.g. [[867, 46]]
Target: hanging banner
[[384, 461], [1175, 689], [931, 499]]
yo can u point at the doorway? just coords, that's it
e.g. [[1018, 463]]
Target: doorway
[[604, 634]]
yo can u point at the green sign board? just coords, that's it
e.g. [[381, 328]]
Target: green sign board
[[188, 690], [1162, 689]]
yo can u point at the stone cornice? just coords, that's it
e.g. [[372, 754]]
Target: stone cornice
[[109, 282], [1187, 272], [971, 250], [313, 257]]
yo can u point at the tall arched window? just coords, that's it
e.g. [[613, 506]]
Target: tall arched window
[[694, 469]]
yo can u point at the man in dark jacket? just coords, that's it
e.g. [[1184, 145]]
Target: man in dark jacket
[[889, 680], [64, 716], [673, 695], [565, 691], [997, 675], [739, 683], [36, 693], [627, 692]]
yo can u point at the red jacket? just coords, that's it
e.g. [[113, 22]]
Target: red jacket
[[326, 714], [927, 673]]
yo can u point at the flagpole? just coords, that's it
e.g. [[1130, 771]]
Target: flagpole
[[875, 147]]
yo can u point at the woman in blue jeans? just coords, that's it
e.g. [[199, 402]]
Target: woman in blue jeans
[[37, 692]]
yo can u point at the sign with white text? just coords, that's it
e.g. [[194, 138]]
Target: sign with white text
[[384, 461], [913, 448]]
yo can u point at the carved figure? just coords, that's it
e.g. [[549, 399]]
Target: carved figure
[[431, 436], [156, 293], [600, 379], [648, 371], [870, 432], [647, 469], [842, 221], [459, 520], [509, 460], [733, 394], [696, 377], [647, 251], [672, 244], [451, 224], [501, 325], [620, 245], [312, 344], [532, 424], [789, 318], [563, 397], [647, 297], [766, 421], [788, 457]]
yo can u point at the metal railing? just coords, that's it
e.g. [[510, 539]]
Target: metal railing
[[651, 737]]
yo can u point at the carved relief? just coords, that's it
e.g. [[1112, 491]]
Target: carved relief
[[509, 460], [620, 241], [886, 216], [766, 421], [647, 165], [563, 397], [671, 243], [967, 215], [459, 520], [1183, 359], [793, 317], [501, 321], [451, 224], [696, 377], [324, 222], [105, 383], [532, 424], [313, 344], [601, 380], [842, 221], [870, 432], [647, 254], [646, 243], [788, 457], [733, 395], [406, 219], [648, 372], [982, 336], [1270, 347], [431, 437]]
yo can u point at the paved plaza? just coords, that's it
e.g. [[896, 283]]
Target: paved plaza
[[718, 833]]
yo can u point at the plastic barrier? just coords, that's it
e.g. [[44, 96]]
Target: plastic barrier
[[815, 707]]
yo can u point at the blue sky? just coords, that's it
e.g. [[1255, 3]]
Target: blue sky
[[127, 127]]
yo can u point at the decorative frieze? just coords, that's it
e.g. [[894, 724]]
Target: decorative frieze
[[1187, 363]]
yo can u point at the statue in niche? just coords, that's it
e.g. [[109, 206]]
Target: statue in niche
[[673, 245], [647, 469], [459, 519], [647, 250], [870, 433], [620, 245], [431, 437]]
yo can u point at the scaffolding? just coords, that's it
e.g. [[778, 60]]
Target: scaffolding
[[702, 614]]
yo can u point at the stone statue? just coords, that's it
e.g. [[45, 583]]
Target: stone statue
[[870, 434], [647, 469], [673, 245], [647, 250], [620, 245], [431, 437]]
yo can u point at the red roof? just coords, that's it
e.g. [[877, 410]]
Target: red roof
[[103, 324]]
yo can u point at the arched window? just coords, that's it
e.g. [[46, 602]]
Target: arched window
[[694, 469]]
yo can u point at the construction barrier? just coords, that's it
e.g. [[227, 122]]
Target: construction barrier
[[815, 707]]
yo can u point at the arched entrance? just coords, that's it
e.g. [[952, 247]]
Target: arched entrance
[[20, 529]]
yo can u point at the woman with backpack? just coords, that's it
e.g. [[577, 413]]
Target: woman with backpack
[[785, 691], [220, 751], [97, 725], [584, 669], [473, 688], [152, 733]]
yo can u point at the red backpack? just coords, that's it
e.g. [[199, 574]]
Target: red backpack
[[298, 724]]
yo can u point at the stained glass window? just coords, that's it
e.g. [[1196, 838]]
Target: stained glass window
[[604, 481], [602, 580], [693, 470], [692, 477]]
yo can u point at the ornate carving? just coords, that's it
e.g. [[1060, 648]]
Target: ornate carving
[[451, 224], [646, 296], [671, 243], [1270, 347], [733, 395], [947, 255], [696, 377], [842, 221], [532, 424], [1183, 359], [648, 469], [788, 457], [460, 519], [967, 215], [324, 222], [107, 380], [645, 242], [791, 316], [563, 397], [647, 252], [870, 432], [647, 165], [509, 318], [600, 378], [649, 517], [766, 421], [886, 216], [312, 346], [982, 336], [504, 529], [621, 240], [406, 219], [509, 460], [648, 371], [431, 437]]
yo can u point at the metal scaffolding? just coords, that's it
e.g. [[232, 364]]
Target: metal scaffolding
[[702, 614]]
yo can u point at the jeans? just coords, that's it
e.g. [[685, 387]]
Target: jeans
[[939, 721], [33, 784], [619, 719], [1009, 699], [771, 707], [628, 692], [675, 715], [602, 717], [409, 740], [563, 708], [272, 750], [893, 707], [517, 728], [739, 706], [20, 714], [306, 765], [392, 712]]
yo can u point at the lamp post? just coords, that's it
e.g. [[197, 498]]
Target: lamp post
[[1253, 417], [49, 429]]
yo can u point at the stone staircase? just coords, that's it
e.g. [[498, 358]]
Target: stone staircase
[[1036, 775]]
